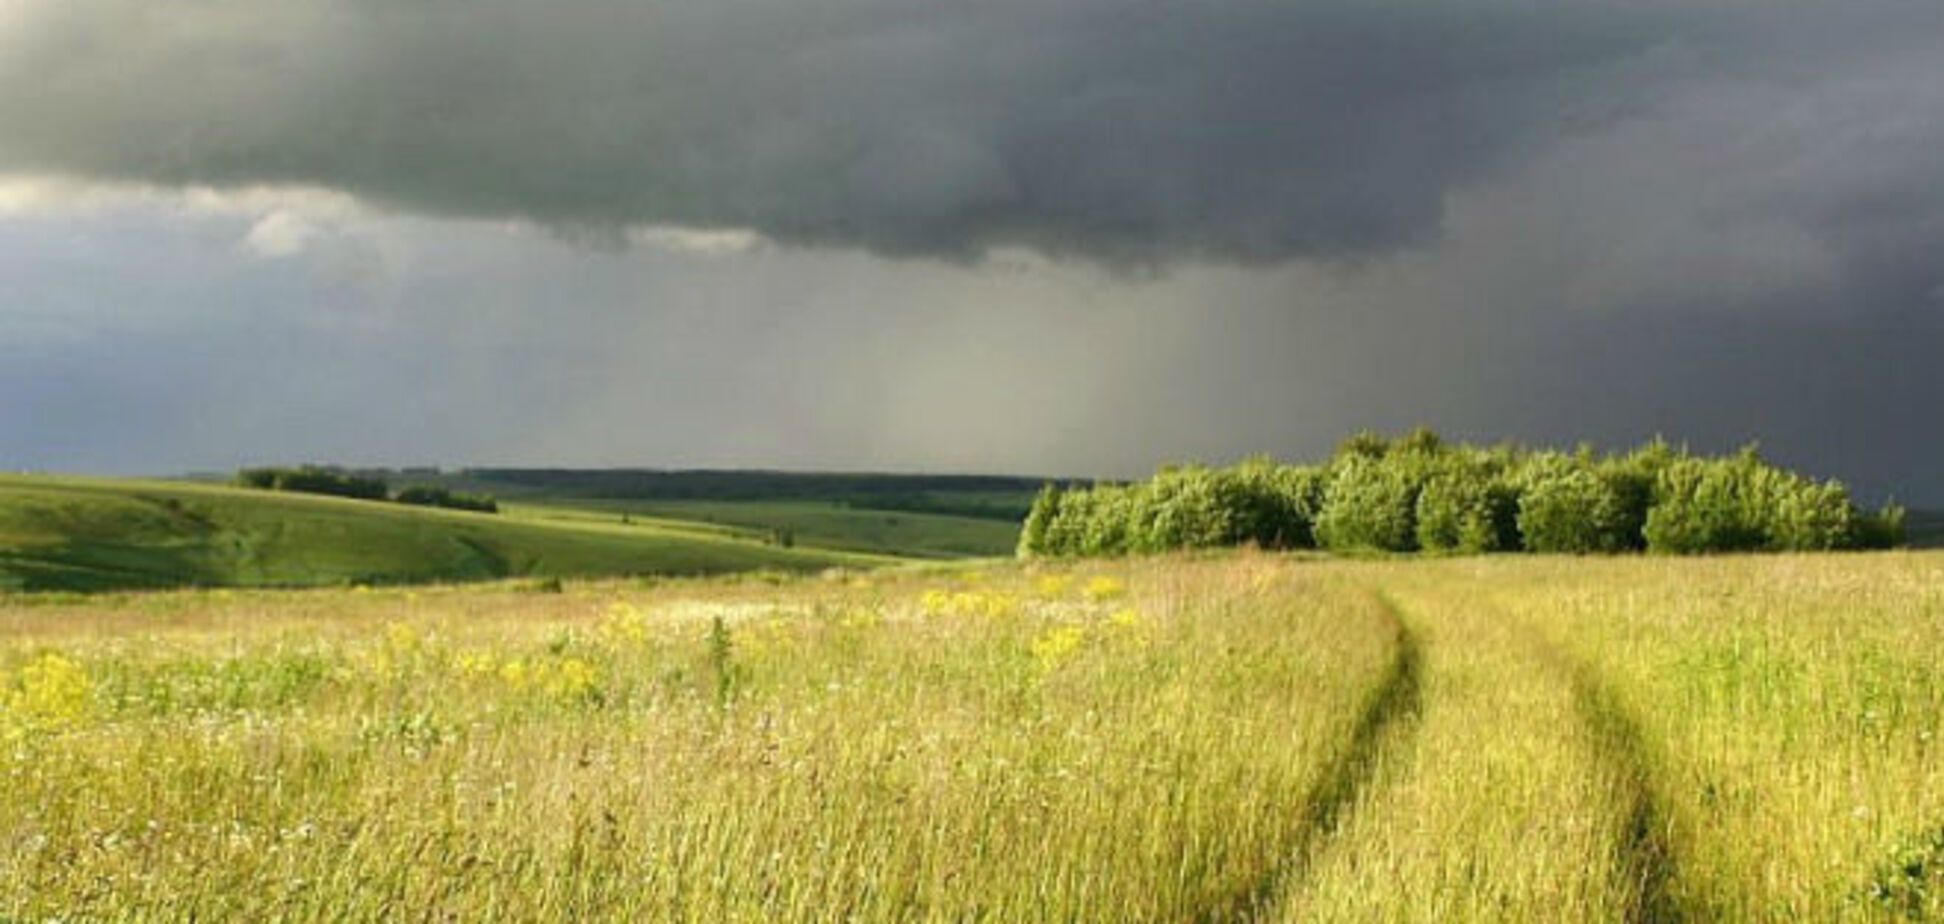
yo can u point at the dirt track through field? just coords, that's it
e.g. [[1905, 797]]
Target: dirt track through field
[[1386, 717], [1646, 858], [1442, 656]]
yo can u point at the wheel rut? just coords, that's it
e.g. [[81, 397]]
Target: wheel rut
[[1384, 719], [1645, 857]]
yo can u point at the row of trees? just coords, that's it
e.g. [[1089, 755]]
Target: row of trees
[[1419, 493], [316, 479], [430, 496]]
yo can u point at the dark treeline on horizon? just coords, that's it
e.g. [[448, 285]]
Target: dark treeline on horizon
[[1418, 493], [999, 497], [336, 482]]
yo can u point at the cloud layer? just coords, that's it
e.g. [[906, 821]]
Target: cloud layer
[[1122, 130], [260, 230]]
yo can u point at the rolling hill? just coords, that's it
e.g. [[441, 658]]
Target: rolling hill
[[69, 533], [918, 516]]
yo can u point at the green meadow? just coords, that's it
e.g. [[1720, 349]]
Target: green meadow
[[1212, 737], [86, 534], [817, 523]]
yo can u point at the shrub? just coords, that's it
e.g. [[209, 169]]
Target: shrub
[[1066, 522], [1631, 478], [1469, 512], [1256, 510], [1371, 504], [1698, 508], [1883, 529], [1298, 492], [1184, 508], [1032, 535], [1809, 517], [1742, 503], [1088, 521], [1568, 508]]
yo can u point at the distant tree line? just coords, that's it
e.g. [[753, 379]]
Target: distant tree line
[[749, 484], [314, 479], [1419, 493], [430, 496], [318, 479]]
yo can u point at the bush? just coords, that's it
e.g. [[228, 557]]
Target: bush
[[1259, 502], [1810, 517], [1297, 493], [1088, 521], [1185, 508], [1568, 508], [1698, 507], [1371, 504], [1032, 535], [1881, 530], [1743, 504], [1468, 512]]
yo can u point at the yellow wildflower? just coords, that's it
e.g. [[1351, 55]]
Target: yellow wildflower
[[571, 679], [1057, 646], [1053, 585], [477, 663], [402, 638], [515, 674], [53, 693], [1101, 588], [1130, 623], [860, 618], [624, 624]]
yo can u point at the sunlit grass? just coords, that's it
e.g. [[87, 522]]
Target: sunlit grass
[[1492, 804], [1794, 707], [1226, 737], [815, 752]]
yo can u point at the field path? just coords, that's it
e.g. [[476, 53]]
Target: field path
[[1645, 857], [1388, 715], [1522, 791]]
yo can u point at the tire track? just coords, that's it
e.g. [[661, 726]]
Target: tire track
[[1645, 858], [1384, 718]]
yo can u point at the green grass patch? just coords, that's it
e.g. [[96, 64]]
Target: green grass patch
[[809, 523], [81, 534]]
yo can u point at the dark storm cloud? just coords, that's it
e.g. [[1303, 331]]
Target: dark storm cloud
[[1124, 130], [1717, 220]]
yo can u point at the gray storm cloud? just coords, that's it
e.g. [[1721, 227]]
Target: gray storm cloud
[[1248, 131], [1718, 220]]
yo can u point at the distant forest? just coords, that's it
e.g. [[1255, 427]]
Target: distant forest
[[337, 482], [998, 497]]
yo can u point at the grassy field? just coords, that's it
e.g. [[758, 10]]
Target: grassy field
[[811, 523], [911, 516], [1239, 737], [96, 534]]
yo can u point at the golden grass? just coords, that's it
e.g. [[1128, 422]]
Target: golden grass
[[1134, 745], [1792, 707], [1209, 738]]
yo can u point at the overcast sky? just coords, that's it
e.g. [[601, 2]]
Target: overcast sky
[[1074, 237]]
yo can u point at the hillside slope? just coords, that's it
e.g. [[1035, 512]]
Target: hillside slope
[[61, 533], [922, 516], [821, 524]]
